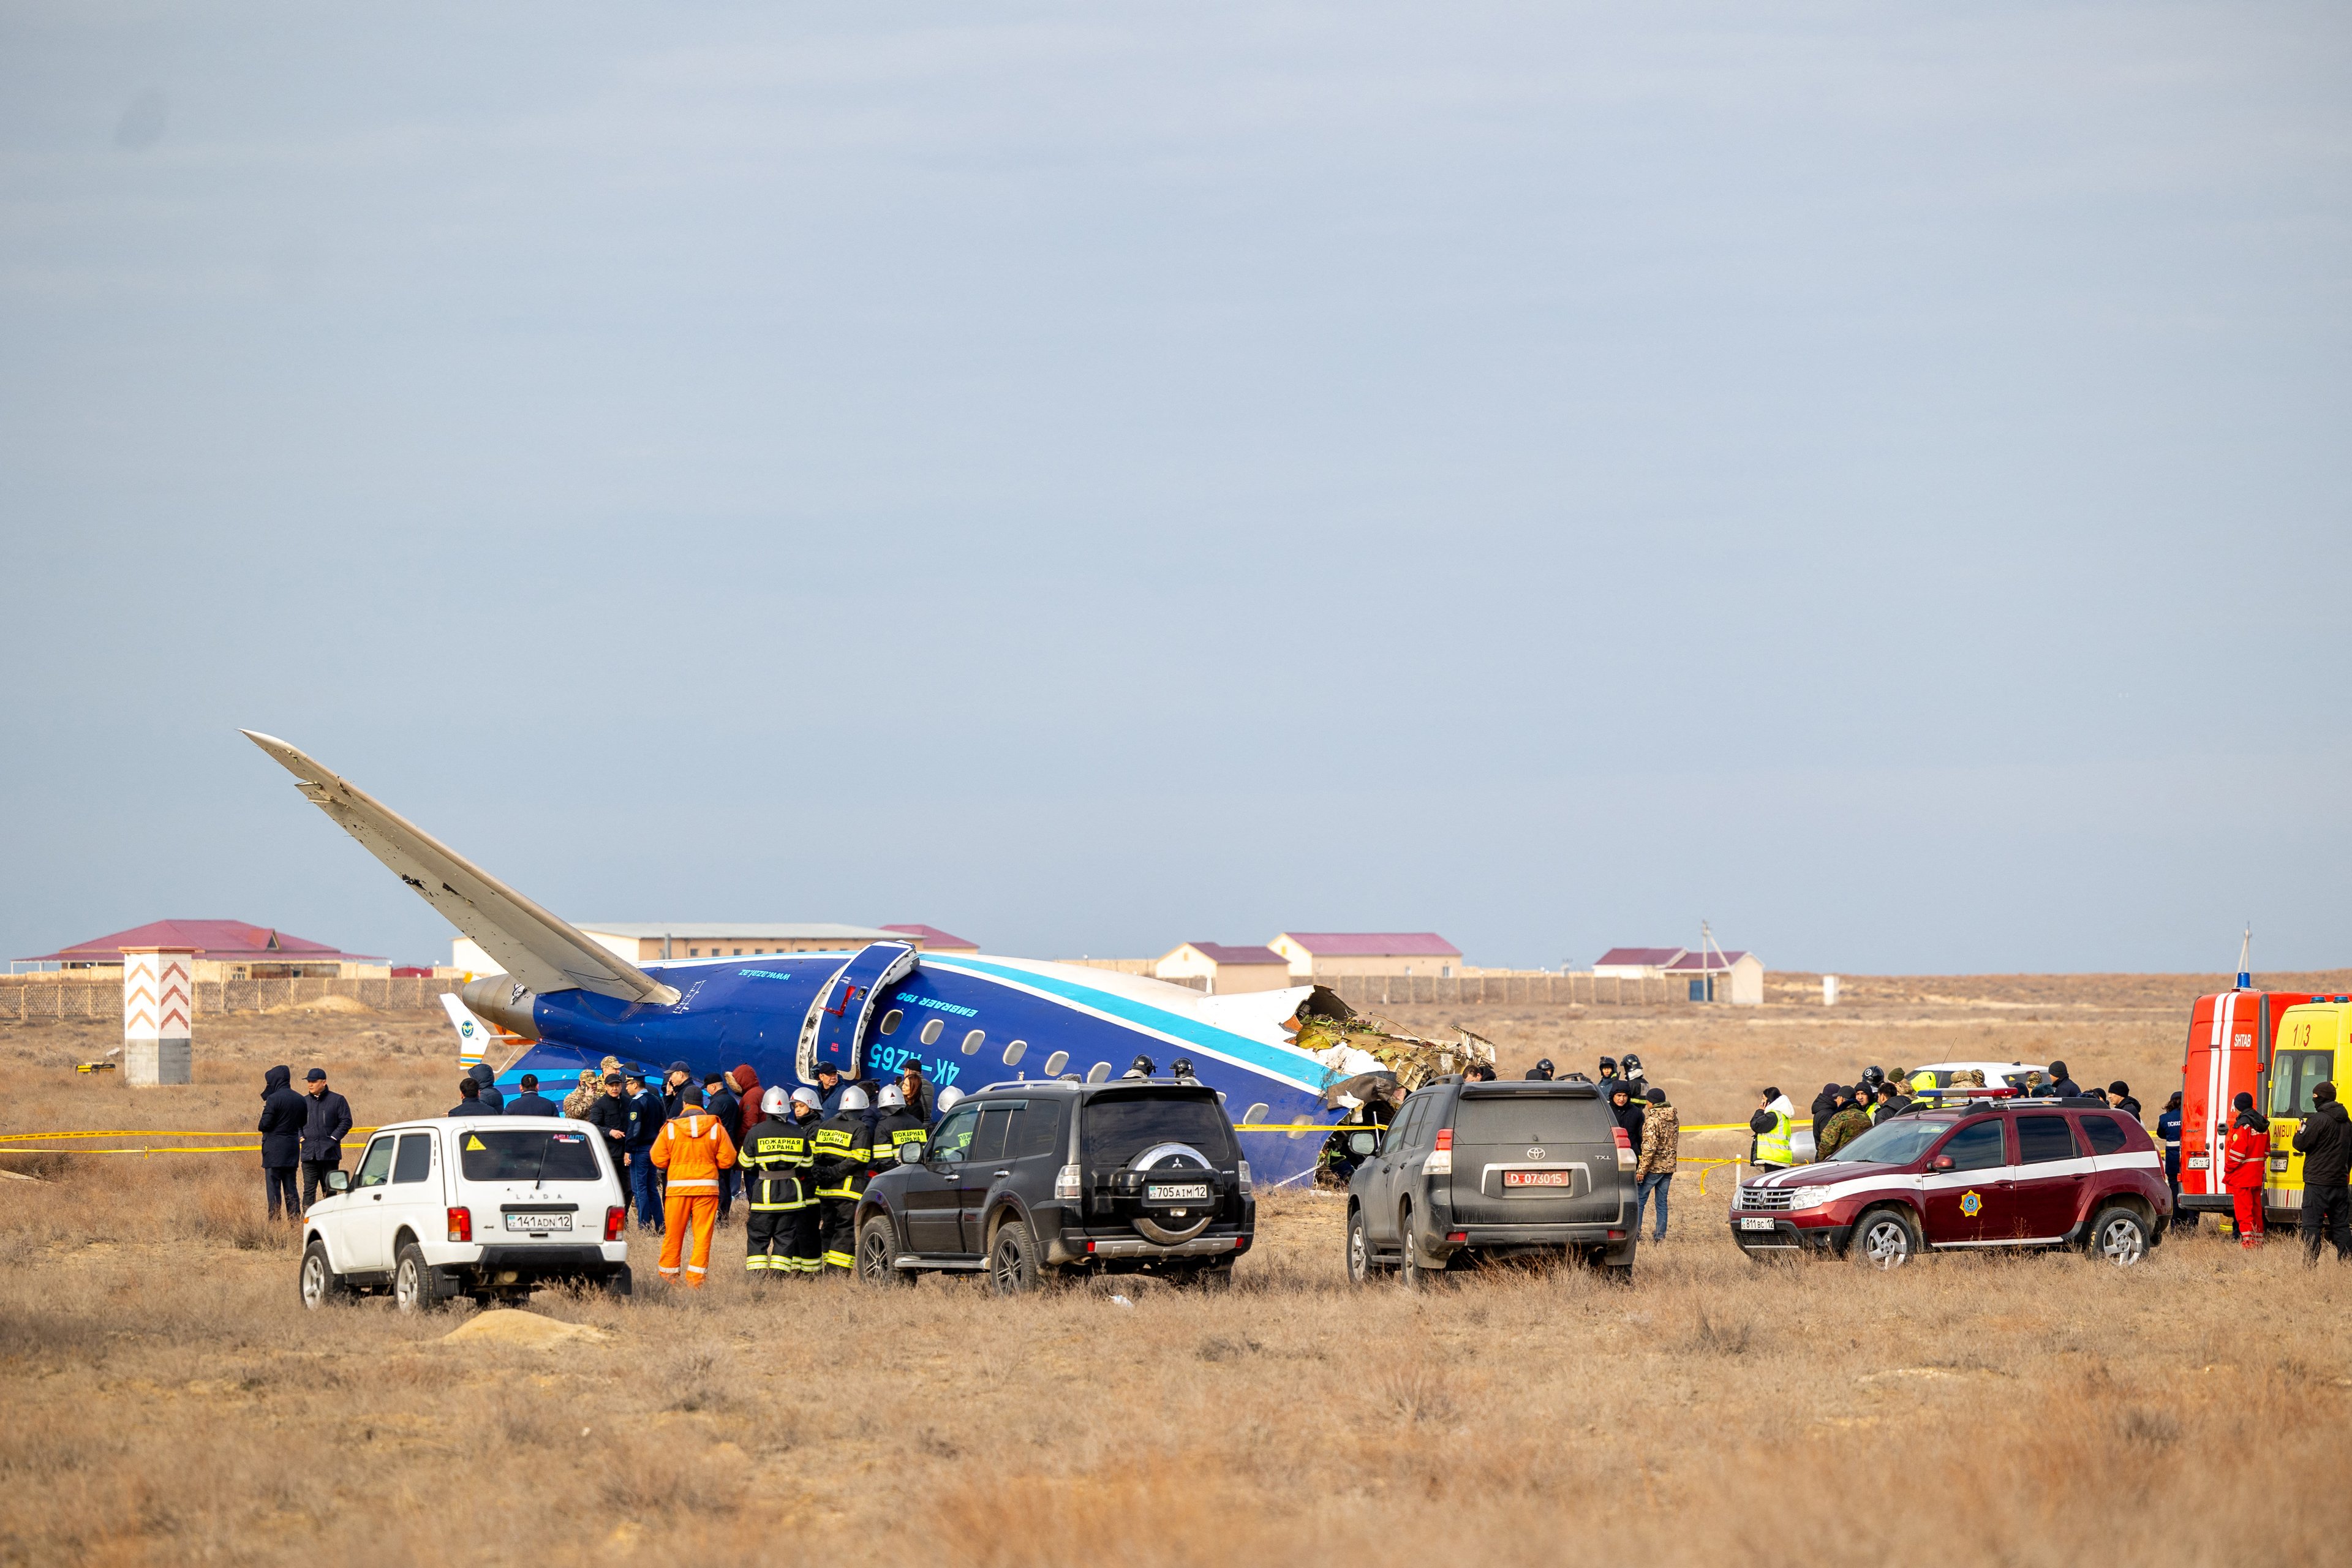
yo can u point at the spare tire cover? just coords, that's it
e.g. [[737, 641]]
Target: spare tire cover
[[1170, 1160]]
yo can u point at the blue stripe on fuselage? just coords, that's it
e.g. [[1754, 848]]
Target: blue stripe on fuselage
[[1275, 1061]]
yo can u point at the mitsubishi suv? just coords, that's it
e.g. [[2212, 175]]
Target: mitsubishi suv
[[490, 1207], [1030, 1179], [1493, 1170], [1998, 1172]]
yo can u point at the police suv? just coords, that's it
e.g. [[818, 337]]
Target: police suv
[[1995, 1172], [486, 1206], [1030, 1178]]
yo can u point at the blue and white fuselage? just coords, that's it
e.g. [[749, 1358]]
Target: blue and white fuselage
[[966, 1022]]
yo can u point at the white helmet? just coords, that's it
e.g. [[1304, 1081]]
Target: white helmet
[[891, 1099], [852, 1098], [773, 1102], [947, 1099], [807, 1097]]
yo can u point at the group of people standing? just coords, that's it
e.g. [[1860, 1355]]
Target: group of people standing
[[300, 1131], [1652, 1126], [2324, 1138]]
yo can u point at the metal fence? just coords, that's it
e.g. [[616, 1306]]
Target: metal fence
[[24, 1000]]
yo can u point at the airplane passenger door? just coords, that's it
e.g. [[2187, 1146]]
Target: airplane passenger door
[[836, 1026]]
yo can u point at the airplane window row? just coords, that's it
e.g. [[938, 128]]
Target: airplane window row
[[1055, 1063]]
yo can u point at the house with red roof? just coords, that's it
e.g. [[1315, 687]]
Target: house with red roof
[[225, 950], [1713, 975], [1311, 953], [1228, 969]]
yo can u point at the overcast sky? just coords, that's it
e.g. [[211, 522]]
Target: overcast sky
[[1096, 476]]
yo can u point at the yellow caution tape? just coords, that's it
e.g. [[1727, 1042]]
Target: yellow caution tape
[[141, 1132]]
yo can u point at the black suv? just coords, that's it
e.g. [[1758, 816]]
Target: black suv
[[1472, 1169], [1130, 1176]]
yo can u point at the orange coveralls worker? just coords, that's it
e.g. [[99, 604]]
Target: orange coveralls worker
[[692, 1148], [2244, 1160]]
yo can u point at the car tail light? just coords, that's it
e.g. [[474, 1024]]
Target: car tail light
[[613, 1218], [1457, 1235], [1241, 1244], [461, 1225], [1066, 1183], [1246, 1176], [1624, 1149], [1445, 1139], [1616, 1236]]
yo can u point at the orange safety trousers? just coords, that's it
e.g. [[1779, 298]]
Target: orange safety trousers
[[680, 1210], [2248, 1201]]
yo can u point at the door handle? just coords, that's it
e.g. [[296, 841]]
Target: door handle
[[1003, 1173], [375, 1197]]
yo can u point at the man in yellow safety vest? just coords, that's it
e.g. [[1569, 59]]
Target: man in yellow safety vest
[[1774, 1124]]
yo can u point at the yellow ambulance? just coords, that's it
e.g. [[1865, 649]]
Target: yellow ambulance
[[2311, 1037]]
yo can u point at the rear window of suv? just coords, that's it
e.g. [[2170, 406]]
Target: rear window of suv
[[1116, 1127], [1522, 1117], [526, 1154]]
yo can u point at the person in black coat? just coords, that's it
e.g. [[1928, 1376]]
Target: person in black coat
[[722, 1102], [1630, 1114], [283, 1114], [2325, 1141], [2119, 1095], [531, 1102], [487, 1083], [2062, 1085], [469, 1100], [1825, 1105], [324, 1122]]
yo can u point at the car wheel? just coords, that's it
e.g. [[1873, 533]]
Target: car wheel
[[321, 1283], [1012, 1260], [414, 1287], [2120, 1236], [1411, 1273], [619, 1282], [877, 1245], [1360, 1248], [1886, 1239]]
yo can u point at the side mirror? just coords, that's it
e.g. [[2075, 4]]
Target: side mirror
[[1362, 1143], [1942, 1163], [338, 1180]]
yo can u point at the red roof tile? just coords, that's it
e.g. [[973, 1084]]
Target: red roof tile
[[1374, 943], [1721, 960], [231, 941], [1637, 958]]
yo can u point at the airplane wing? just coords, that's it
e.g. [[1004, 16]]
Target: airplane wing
[[536, 948]]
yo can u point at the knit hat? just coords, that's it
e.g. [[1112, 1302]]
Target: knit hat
[[1657, 1097], [2243, 1102]]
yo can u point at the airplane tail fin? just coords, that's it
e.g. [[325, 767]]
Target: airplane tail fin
[[537, 949], [474, 1036]]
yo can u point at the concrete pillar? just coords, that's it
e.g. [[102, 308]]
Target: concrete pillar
[[158, 1013]]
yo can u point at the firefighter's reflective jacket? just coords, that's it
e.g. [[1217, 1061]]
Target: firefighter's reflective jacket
[[841, 1152], [898, 1138], [775, 1162]]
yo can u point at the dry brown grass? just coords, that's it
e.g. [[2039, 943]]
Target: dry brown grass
[[169, 1401]]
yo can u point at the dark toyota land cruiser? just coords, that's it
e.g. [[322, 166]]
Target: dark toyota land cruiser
[[1493, 1169], [1130, 1176]]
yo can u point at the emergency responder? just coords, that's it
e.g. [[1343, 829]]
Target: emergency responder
[[804, 1250], [2325, 1141], [1142, 1068], [2168, 1133], [1923, 1087], [691, 1149], [1636, 1080], [1608, 1070], [774, 1163], [949, 1100], [2246, 1159], [1849, 1122], [1774, 1125], [1182, 1068], [899, 1132], [842, 1155], [1541, 1072]]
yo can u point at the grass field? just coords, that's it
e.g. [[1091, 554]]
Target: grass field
[[168, 1400]]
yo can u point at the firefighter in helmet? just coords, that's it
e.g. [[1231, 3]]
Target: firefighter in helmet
[[899, 1134], [774, 1160], [843, 1157]]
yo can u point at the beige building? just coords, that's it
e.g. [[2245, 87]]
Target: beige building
[[648, 942], [1228, 969], [1311, 953]]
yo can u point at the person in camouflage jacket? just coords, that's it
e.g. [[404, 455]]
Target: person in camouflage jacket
[[1848, 1122], [1653, 1171]]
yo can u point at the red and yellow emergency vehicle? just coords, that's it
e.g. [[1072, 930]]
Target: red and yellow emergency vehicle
[[2275, 1045]]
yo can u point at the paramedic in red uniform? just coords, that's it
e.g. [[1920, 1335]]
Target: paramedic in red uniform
[[2244, 1163]]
